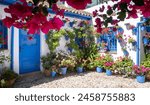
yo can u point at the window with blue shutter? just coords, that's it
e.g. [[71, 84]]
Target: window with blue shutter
[[107, 42], [3, 36]]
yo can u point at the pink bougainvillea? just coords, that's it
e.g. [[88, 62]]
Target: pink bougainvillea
[[78, 4]]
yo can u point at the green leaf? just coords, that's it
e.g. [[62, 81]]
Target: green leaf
[[115, 6], [121, 15], [44, 10], [123, 6], [109, 12]]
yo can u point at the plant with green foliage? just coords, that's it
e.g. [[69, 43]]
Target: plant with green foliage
[[3, 57], [7, 78], [53, 38], [124, 65]]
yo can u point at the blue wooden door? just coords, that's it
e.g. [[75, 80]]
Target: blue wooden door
[[29, 52]]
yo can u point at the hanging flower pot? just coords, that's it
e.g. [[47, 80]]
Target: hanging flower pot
[[53, 74], [71, 24], [125, 52], [79, 70], [140, 78], [66, 37], [148, 29], [99, 69], [127, 26], [143, 28], [108, 72], [134, 43], [145, 41], [63, 70]]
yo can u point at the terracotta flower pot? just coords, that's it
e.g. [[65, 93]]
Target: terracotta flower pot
[[9, 83], [46, 73], [148, 77]]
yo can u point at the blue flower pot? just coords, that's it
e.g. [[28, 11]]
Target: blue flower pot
[[134, 43], [148, 29], [66, 37], [71, 24], [70, 49], [79, 70], [145, 41], [108, 72], [99, 70], [0, 45], [63, 70], [53, 74], [143, 28], [140, 78], [125, 52]]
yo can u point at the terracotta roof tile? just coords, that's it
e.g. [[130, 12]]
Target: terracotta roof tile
[[69, 9]]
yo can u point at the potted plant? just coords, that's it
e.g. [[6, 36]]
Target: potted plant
[[119, 37], [146, 39], [131, 41], [140, 72], [125, 52], [99, 63], [8, 78], [63, 66], [46, 65], [80, 65], [108, 64], [109, 67], [53, 71]]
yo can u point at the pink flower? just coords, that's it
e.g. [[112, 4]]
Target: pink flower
[[95, 13], [78, 4], [8, 22], [102, 9]]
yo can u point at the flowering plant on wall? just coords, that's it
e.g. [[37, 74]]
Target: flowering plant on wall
[[129, 26], [119, 36], [132, 41], [140, 70]]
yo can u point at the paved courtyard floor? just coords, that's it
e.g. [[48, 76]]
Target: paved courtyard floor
[[74, 80]]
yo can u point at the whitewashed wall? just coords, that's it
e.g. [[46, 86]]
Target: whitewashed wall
[[132, 53]]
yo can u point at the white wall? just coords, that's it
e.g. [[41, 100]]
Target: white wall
[[132, 53]]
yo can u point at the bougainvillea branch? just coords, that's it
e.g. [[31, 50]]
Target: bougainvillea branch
[[32, 14], [119, 11]]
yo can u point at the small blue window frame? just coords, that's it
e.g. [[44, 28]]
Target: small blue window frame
[[4, 36], [110, 40]]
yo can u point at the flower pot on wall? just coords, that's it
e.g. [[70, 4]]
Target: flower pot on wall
[[134, 43], [79, 70], [108, 72], [145, 41], [99, 69], [140, 78], [53, 74], [148, 29], [63, 70], [46, 72], [125, 52]]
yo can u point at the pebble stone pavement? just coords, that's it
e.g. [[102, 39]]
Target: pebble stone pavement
[[74, 80]]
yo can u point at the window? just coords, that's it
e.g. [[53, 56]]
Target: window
[[107, 42], [3, 36]]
